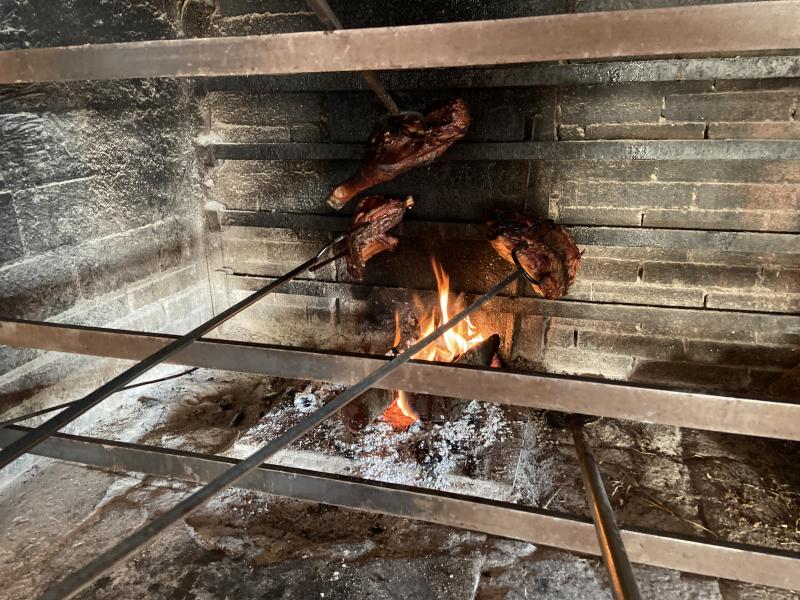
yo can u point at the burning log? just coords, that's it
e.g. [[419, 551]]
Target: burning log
[[404, 142], [376, 403], [366, 409], [439, 408]]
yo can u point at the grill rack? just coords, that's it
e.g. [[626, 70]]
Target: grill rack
[[753, 27]]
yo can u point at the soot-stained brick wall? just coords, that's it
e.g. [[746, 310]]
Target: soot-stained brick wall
[[658, 299], [100, 198]]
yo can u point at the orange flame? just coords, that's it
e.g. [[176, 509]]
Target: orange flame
[[455, 341], [447, 348]]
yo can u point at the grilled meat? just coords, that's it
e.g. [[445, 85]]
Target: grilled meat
[[399, 144], [547, 251], [369, 236]]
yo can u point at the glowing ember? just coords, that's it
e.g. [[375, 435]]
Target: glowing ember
[[447, 348], [400, 415]]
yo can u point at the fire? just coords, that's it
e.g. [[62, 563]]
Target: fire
[[447, 348], [455, 341]]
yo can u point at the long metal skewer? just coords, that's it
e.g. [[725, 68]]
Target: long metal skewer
[[74, 583], [620, 572], [329, 19], [49, 427]]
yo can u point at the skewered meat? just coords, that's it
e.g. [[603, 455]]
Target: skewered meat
[[369, 236], [547, 251], [399, 144]]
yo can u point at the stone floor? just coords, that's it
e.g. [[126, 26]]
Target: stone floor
[[55, 516]]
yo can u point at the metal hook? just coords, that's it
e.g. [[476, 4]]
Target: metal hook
[[514, 257]]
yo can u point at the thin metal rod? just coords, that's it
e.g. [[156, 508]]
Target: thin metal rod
[[329, 19], [620, 572], [328, 261], [74, 583], [49, 427], [50, 409], [690, 554]]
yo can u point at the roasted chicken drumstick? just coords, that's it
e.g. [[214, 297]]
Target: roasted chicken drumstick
[[399, 144], [546, 251]]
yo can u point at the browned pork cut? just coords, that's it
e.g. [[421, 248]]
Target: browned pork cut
[[401, 143], [547, 251], [369, 236]]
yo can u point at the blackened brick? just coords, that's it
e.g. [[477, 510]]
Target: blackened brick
[[775, 130], [773, 197], [632, 345], [585, 215], [627, 194], [597, 269], [653, 295], [691, 376], [38, 288], [762, 301], [645, 131], [699, 275], [10, 239], [731, 106], [727, 353], [782, 280]]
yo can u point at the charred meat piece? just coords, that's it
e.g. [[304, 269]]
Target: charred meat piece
[[547, 251], [369, 236], [399, 144]]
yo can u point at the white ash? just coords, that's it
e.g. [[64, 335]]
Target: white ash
[[306, 402], [418, 455]]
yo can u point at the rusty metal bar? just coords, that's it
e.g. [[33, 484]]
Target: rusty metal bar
[[564, 150], [711, 29], [541, 74], [739, 562], [620, 572], [729, 414], [329, 19]]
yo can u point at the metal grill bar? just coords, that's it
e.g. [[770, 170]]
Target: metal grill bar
[[593, 150], [687, 69], [740, 562], [728, 414], [713, 29], [590, 235]]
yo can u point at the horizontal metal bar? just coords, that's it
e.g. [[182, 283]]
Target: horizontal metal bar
[[752, 564], [555, 151], [649, 315], [729, 414], [697, 30], [687, 69], [632, 237]]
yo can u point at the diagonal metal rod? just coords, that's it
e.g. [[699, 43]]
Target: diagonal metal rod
[[49, 427], [50, 409], [620, 572], [83, 577], [329, 19]]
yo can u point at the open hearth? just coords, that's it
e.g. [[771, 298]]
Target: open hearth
[[154, 187]]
